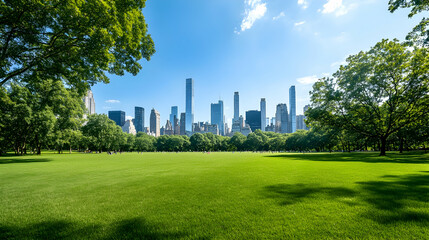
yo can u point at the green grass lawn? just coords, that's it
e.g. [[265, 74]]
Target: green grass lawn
[[215, 196]]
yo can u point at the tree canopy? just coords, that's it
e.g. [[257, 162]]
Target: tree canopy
[[377, 93], [75, 41]]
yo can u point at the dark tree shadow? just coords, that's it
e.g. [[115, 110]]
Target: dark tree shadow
[[25, 160], [287, 194], [395, 195], [133, 228], [139, 228], [366, 157], [58, 229]]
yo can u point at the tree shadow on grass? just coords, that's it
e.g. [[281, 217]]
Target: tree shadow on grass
[[25, 160], [402, 198], [133, 228], [366, 157], [396, 198], [288, 194]]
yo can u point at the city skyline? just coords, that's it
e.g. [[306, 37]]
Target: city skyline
[[277, 51]]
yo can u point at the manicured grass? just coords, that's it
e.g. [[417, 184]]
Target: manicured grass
[[216, 195]]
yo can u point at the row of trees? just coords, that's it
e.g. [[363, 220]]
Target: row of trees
[[31, 129]]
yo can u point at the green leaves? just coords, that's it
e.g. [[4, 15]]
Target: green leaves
[[75, 41], [376, 93]]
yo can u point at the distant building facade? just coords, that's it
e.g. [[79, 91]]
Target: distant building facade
[[282, 118], [253, 119], [292, 106], [155, 122], [129, 127], [263, 114], [118, 117], [139, 119], [189, 104], [89, 103], [183, 124], [218, 117]]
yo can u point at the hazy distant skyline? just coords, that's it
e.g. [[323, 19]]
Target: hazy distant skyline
[[258, 48]]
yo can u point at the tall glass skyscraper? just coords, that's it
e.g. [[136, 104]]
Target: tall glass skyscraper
[[218, 117], [253, 118], [282, 119], [174, 112], [118, 117], [189, 104], [263, 114], [236, 107], [139, 119], [292, 114]]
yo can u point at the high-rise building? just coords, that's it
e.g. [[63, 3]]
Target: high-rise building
[[118, 117], [282, 119], [217, 116], [155, 122], [300, 122], [176, 128], [89, 103], [236, 107], [213, 128], [139, 119], [174, 112], [253, 118], [292, 105], [183, 124], [306, 107], [263, 114], [168, 128], [189, 104], [129, 127]]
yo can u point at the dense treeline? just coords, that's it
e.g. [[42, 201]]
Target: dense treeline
[[100, 134]]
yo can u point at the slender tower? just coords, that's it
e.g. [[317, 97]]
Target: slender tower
[[263, 114], [292, 113], [189, 104], [236, 107]]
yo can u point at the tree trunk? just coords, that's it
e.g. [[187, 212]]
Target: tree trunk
[[383, 146], [39, 152]]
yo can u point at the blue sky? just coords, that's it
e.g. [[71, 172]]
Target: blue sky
[[257, 47]]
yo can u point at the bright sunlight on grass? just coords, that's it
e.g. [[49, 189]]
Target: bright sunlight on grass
[[216, 195]]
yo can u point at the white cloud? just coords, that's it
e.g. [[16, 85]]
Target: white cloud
[[112, 101], [308, 80], [255, 9], [299, 23], [336, 7], [303, 3], [128, 118], [282, 14]]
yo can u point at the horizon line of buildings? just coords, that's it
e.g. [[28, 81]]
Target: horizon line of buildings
[[282, 122]]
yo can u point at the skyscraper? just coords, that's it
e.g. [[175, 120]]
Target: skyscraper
[[174, 112], [183, 124], [89, 103], [217, 116], [306, 107], [155, 122], [189, 104], [282, 120], [253, 118], [118, 117], [139, 119], [236, 107], [263, 114], [292, 114]]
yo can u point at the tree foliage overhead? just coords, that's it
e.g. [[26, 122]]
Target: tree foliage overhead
[[76, 41], [377, 93], [420, 33]]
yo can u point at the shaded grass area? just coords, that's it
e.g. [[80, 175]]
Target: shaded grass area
[[214, 196], [366, 157]]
